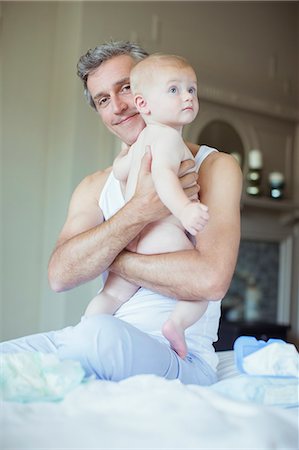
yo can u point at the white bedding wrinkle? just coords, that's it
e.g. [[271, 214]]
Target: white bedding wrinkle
[[147, 412]]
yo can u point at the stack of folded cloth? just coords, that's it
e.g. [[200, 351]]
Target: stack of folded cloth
[[269, 373]]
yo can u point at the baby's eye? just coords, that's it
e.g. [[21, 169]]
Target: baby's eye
[[173, 90], [192, 90]]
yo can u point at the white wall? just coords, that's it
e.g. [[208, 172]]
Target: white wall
[[1, 177], [27, 53], [52, 139]]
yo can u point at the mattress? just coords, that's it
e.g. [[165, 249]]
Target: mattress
[[149, 412]]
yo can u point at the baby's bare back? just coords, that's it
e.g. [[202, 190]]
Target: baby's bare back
[[167, 235], [154, 136]]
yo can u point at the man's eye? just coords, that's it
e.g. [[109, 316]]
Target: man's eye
[[126, 88], [102, 102]]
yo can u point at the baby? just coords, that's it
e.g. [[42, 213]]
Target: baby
[[165, 94]]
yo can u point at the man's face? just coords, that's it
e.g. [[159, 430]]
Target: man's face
[[109, 86]]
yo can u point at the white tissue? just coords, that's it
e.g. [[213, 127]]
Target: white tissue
[[278, 359]]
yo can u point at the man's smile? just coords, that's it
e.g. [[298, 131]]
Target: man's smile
[[126, 119]]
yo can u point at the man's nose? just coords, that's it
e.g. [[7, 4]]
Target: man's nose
[[118, 105]]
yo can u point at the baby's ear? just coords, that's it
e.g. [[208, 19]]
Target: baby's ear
[[141, 104]]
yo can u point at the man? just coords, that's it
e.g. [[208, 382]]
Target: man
[[94, 239]]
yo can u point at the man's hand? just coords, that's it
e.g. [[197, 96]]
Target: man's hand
[[154, 208]]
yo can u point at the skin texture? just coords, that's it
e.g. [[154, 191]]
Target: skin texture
[[87, 246]]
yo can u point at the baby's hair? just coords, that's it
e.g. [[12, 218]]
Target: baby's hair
[[144, 71]]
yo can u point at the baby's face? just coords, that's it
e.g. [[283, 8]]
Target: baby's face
[[172, 95]]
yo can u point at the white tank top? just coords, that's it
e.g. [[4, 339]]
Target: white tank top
[[148, 310]]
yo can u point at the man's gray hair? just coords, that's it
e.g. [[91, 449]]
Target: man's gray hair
[[95, 57]]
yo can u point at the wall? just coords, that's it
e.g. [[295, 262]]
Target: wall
[[25, 109], [52, 139], [1, 176]]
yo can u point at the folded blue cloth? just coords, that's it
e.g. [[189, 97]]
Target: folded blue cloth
[[272, 391], [35, 376], [275, 357]]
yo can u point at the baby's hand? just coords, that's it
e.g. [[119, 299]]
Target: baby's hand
[[194, 217]]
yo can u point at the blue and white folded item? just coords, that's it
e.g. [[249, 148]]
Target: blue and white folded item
[[272, 358], [35, 376], [264, 390]]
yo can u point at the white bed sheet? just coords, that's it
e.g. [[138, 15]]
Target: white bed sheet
[[148, 412]]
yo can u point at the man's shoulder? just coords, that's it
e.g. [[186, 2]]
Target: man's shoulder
[[220, 165], [214, 159], [220, 160], [98, 176], [194, 148], [95, 182]]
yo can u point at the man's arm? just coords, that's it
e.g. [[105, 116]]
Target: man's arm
[[87, 246], [203, 273]]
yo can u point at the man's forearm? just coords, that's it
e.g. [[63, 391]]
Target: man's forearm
[[88, 254], [87, 249], [205, 272], [182, 275]]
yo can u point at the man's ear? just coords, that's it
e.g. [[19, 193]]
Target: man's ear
[[141, 104]]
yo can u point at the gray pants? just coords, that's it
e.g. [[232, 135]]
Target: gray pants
[[112, 349]]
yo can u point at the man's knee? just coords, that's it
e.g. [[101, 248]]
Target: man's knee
[[100, 328], [98, 342]]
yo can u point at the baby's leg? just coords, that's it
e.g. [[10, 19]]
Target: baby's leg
[[185, 314], [162, 237], [116, 292]]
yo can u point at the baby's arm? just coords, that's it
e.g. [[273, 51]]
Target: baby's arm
[[167, 154], [122, 163]]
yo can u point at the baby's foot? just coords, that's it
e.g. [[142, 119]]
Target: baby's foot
[[175, 335]]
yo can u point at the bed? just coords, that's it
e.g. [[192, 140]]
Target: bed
[[148, 412]]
